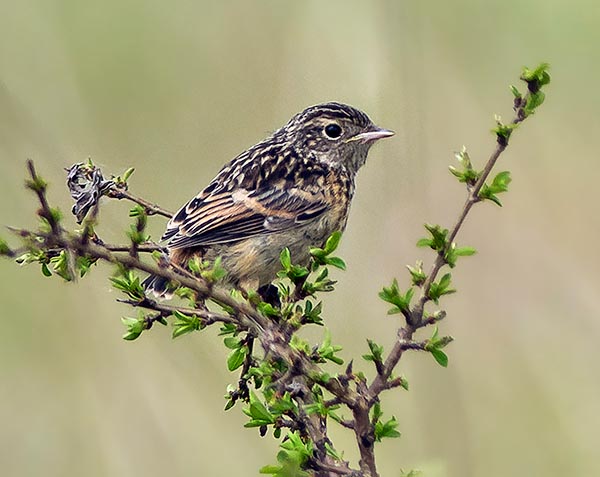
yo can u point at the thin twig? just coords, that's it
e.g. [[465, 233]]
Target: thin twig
[[440, 261], [151, 209], [145, 248], [39, 187], [208, 317]]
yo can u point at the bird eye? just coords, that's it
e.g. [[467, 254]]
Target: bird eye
[[333, 131]]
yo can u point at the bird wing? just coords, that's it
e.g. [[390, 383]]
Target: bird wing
[[229, 216]]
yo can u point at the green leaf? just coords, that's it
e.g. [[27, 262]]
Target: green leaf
[[127, 174], [232, 342], [332, 242], [465, 251], [386, 430], [312, 314], [501, 181], [270, 469], [185, 324], [504, 131], [326, 350], [321, 284], [84, 264], [4, 248], [400, 301], [236, 358], [454, 252], [214, 272], [46, 271], [499, 184], [329, 449], [438, 238], [336, 262], [439, 356], [285, 259], [227, 329], [321, 255], [434, 346], [299, 344], [438, 289], [258, 411], [267, 310], [37, 185], [466, 173], [135, 327], [515, 91], [293, 456], [137, 211], [61, 265], [195, 265], [377, 412], [283, 405], [417, 274], [376, 352], [129, 283], [537, 77]]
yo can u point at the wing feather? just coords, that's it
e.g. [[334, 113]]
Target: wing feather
[[235, 215]]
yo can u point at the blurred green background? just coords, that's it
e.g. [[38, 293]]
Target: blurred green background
[[178, 88]]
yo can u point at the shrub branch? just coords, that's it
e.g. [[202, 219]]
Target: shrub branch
[[283, 381]]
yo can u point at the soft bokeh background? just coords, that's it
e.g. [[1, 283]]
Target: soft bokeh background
[[176, 89]]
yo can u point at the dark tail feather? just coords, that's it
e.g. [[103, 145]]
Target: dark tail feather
[[158, 286]]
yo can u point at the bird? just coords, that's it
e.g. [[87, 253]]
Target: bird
[[292, 189]]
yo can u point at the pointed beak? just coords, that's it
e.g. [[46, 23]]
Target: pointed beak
[[373, 135]]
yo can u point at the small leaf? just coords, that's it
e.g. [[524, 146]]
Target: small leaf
[[185, 324], [232, 342], [46, 271], [417, 274], [501, 181], [376, 352], [438, 289], [127, 174], [386, 430], [336, 262], [438, 238], [135, 327], [271, 469], [4, 248], [236, 358], [515, 91], [257, 410], [329, 449], [285, 259], [401, 301], [439, 356], [465, 251], [332, 242]]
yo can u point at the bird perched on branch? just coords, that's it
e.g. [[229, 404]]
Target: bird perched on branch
[[293, 189]]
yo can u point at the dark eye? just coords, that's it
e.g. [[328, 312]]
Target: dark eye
[[333, 131]]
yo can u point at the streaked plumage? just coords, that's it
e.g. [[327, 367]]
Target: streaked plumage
[[293, 189]]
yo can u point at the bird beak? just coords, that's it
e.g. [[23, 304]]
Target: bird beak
[[374, 135]]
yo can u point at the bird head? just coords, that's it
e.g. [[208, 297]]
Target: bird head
[[334, 133]]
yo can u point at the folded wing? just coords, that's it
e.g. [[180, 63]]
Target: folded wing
[[230, 216]]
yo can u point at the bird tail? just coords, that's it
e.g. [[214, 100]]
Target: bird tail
[[158, 286]]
